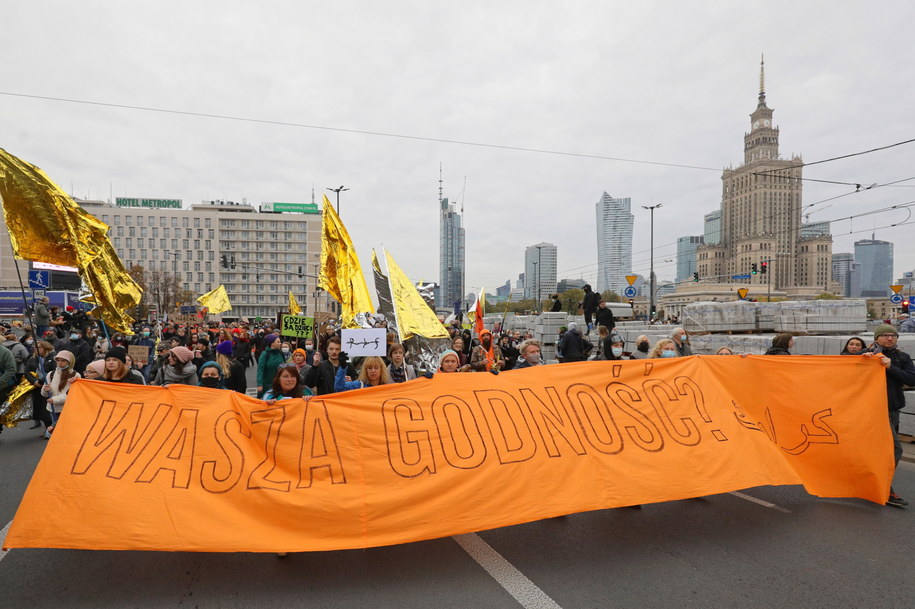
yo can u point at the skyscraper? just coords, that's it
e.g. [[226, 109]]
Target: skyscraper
[[451, 255], [614, 243], [761, 217], [686, 255], [540, 271], [875, 259], [846, 273], [713, 227]]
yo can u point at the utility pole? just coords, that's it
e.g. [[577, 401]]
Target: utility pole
[[651, 306]]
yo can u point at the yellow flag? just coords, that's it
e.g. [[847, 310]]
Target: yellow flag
[[46, 225], [413, 314], [294, 308], [341, 275], [216, 301]]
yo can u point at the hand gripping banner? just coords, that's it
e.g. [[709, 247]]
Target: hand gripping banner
[[190, 468]]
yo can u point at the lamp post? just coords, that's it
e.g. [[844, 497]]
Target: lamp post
[[537, 283], [338, 191], [539, 299], [651, 278]]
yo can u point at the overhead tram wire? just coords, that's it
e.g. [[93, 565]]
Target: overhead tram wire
[[433, 139]]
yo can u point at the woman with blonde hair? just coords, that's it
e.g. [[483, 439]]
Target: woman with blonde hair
[[665, 347], [372, 373]]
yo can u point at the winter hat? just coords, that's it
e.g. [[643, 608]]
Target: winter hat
[[268, 340], [445, 354], [65, 355], [117, 353], [301, 352], [182, 354], [98, 366], [225, 347], [573, 326], [884, 329]]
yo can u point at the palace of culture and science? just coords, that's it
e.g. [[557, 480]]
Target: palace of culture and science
[[761, 222]]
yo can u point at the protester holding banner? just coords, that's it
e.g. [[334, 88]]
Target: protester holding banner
[[179, 369], [399, 371], [269, 361], [449, 362], [57, 385], [372, 373], [286, 385], [232, 371], [95, 370], [900, 371]]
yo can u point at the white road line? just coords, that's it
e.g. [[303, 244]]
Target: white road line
[[761, 502], [510, 578], [3, 533]]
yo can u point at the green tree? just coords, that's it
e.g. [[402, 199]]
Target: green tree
[[611, 296], [828, 296], [570, 300]]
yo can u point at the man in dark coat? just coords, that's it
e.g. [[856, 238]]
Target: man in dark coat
[[81, 350], [589, 305], [323, 375], [900, 371]]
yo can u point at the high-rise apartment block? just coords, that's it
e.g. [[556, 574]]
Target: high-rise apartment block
[[451, 255], [540, 271], [614, 243], [686, 255], [875, 259]]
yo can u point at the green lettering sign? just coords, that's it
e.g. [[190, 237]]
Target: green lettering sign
[[297, 326]]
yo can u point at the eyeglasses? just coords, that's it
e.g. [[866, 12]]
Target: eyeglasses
[[286, 365]]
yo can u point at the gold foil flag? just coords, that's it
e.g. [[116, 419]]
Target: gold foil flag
[[216, 301], [413, 314], [294, 308], [46, 225], [12, 413], [341, 275]]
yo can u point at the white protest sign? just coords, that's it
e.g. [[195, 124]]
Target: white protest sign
[[365, 342]]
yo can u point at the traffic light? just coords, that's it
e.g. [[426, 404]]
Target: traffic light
[[904, 308], [631, 302], [753, 268], [696, 276], [224, 261], [764, 267]]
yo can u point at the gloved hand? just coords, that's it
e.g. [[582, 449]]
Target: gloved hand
[[428, 375], [494, 371], [343, 358]]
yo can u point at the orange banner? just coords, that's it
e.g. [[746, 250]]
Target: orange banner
[[188, 468]]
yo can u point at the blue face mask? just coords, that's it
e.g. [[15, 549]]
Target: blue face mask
[[74, 337], [617, 351], [668, 353]]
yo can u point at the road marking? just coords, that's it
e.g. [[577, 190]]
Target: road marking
[[760, 502], [3, 533], [510, 578]]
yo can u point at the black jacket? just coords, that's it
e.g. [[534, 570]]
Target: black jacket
[[82, 353], [574, 347], [322, 376], [901, 372], [604, 317], [590, 302]]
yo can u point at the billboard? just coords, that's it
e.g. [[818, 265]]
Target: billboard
[[296, 208]]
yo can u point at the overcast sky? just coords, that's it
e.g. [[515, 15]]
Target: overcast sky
[[666, 82]]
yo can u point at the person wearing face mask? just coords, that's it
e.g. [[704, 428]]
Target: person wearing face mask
[[678, 335], [211, 376], [310, 352], [57, 385], [529, 354], [145, 338], [642, 347], [179, 370], [486, 356], [613, 348], [286, 349], [79, 348], [665, 348]]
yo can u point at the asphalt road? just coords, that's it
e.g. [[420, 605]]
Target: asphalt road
[[766, 547]]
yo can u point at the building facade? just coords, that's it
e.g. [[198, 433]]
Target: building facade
[[451, 255], [540, 271], [272, 252], [614, 243], [875, 259], [712, 233], [761, 219], [686, 256], [846, 273]]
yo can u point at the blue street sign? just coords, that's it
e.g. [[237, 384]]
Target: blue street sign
[[895, 299], [629, 292], [39, 280], [188, 309], [740, 276]]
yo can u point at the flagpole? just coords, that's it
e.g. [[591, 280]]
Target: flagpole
[[25, 305]]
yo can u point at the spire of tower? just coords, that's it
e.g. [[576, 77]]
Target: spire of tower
[[762, 79], [439, 184]]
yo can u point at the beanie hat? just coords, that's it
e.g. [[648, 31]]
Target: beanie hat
[[884, 329], [445, 354], [301, 352], [225, 347], [268, 340], [182, 354], [117, 353], [98, 366]]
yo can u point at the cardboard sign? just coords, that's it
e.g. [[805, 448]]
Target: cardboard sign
[[364, 342], [138, 353], [297, 326]]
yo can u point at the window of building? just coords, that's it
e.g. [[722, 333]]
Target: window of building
[[174, 244], [186, 265], [117, 220], [128, 220], [105, 218], [207, 222], [162, 220], [174, 221], [184, 222], [139, 220]]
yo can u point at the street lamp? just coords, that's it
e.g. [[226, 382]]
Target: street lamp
[[338, 191], [539, 296], [651, 309], [537, 284]]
